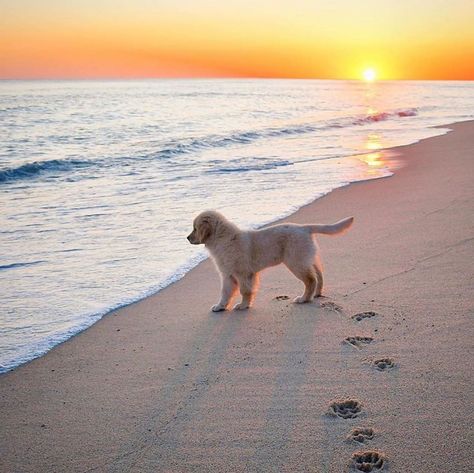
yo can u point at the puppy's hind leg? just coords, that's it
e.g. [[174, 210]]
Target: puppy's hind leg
[[308, 276], [248, 286], [319, 276], [229, 289]]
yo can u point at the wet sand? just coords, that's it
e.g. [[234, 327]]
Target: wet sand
[[166, 385]]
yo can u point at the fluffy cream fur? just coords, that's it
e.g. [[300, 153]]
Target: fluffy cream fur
[[241, 255]]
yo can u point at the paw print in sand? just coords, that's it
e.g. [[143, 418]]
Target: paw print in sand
[[358, 341], [364, 315], [384, 364], [345, 408], [361, 434], [368, 461]]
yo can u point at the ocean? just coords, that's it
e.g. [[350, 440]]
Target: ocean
[[100, 180]]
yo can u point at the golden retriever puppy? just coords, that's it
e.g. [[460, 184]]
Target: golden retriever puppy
[[241, 255]]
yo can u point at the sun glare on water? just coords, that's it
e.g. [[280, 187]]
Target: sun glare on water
[[369, 75]]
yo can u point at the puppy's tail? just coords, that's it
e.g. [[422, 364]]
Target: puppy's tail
[[333, 229]]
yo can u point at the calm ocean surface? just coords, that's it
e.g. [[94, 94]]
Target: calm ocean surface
[[100, 180]]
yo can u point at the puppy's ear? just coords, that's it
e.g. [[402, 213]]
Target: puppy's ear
[[204, 231]]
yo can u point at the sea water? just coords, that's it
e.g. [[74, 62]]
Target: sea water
[[100, 180]]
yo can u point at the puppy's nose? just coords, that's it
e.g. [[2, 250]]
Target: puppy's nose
[[189, 238]]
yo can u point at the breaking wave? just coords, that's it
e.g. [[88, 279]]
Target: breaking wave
[[173, 148], [31, 170]]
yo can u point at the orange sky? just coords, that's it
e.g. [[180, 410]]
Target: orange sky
[[337, 39]]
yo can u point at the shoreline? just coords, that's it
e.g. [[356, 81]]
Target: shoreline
[[389, 154], [181, 389]]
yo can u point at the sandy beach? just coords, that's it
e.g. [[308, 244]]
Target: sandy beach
[[164, 385]]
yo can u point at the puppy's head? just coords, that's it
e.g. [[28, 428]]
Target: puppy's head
[[204, 227]]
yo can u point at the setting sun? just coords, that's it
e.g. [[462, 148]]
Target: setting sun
[[370, 75]]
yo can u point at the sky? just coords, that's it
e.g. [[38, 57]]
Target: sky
[[330, 39]]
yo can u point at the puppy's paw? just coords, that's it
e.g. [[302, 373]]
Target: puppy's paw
[[241, 306], [218, 308], [301, 300]]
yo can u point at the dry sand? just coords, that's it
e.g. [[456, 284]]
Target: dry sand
[[165, 385]]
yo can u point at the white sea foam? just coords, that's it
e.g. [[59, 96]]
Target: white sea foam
[[99, 182]]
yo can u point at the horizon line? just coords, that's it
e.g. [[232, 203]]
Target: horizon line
[[115, 78]]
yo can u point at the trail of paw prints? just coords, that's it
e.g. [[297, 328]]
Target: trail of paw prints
[[358, 341], [361, 434], [384, 364], [282, 298], [345, 408], [364, 315], [368, 461]]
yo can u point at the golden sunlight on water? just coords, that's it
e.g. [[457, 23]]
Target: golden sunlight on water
[[374, 159], [373, 142], [377, 156]]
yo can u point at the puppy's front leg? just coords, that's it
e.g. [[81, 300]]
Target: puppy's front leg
[[229, 288], [248, 286]]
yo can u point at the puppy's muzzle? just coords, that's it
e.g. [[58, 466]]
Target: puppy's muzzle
[[192, 240]]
